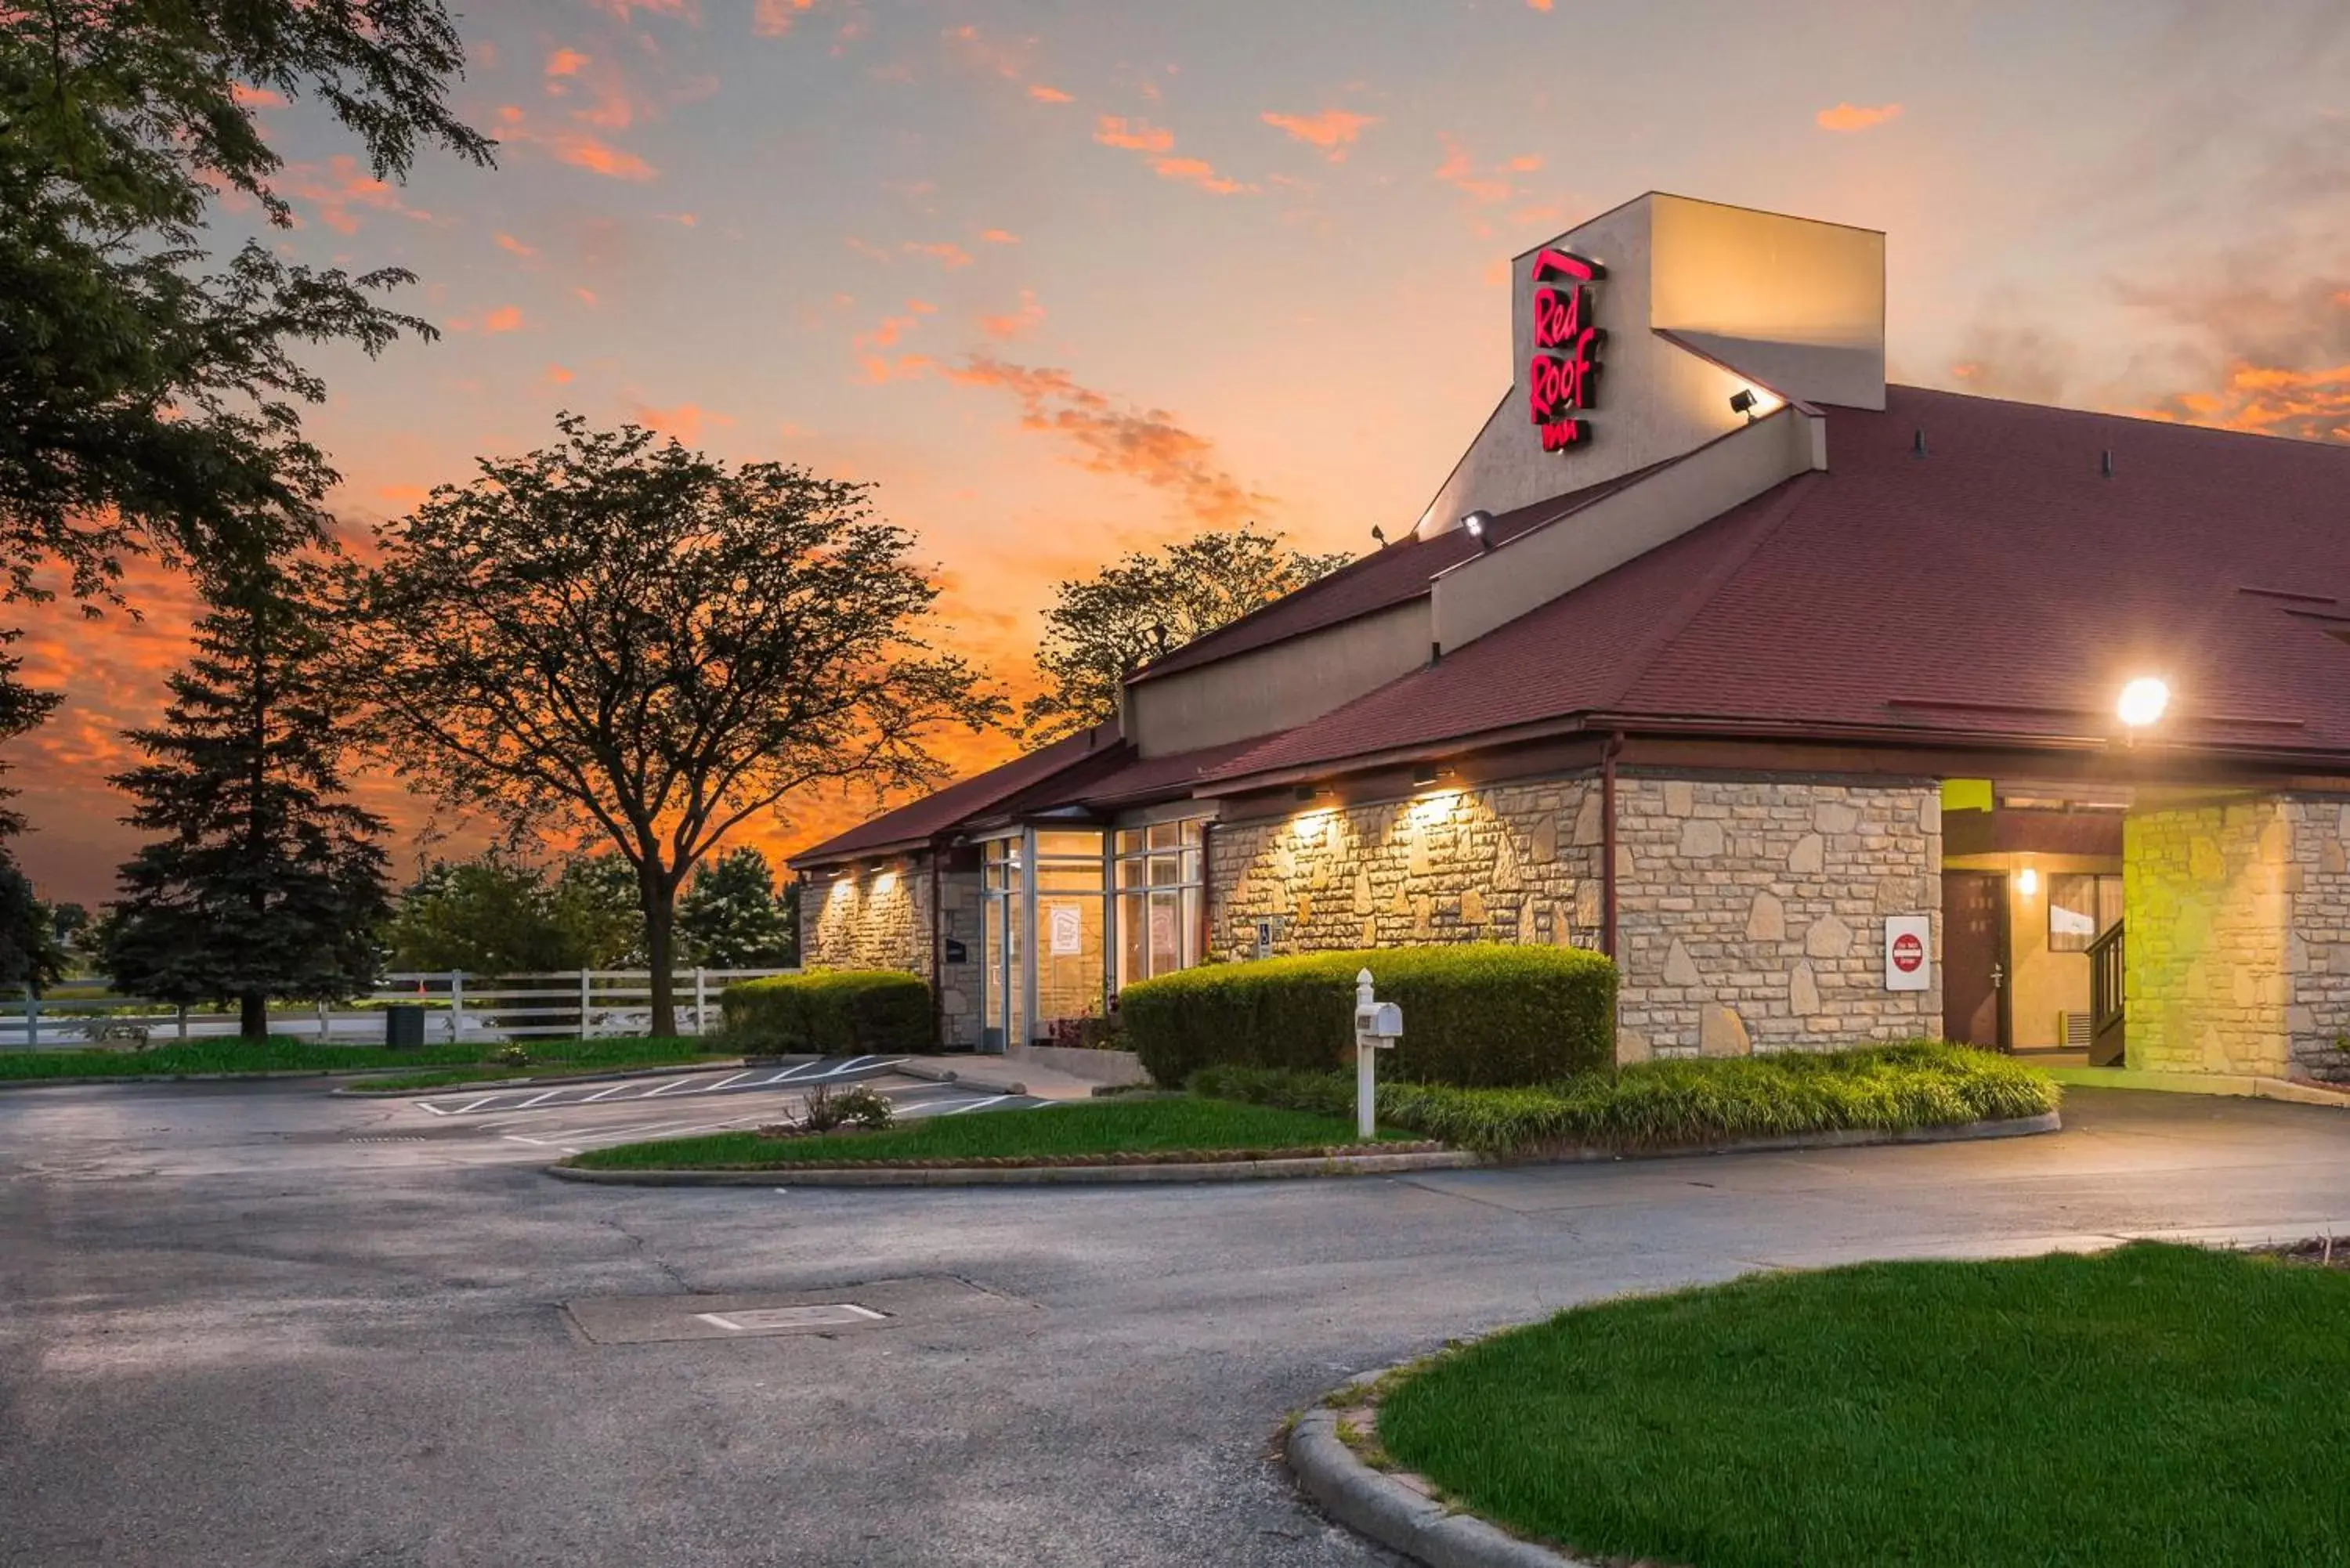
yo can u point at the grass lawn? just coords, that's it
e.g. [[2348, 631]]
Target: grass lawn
[[1085, 1127], [2152, 1404], [278, 1054]]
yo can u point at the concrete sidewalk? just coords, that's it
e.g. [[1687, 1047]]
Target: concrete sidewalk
[[998, 1076]]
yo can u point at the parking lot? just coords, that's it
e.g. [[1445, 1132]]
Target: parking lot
[[264, 1326]]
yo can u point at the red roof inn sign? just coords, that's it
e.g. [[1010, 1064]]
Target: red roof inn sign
[[1562, 378]]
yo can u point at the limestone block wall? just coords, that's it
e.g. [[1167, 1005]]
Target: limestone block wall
[[879, 917], [1513, 862], [1750, 912], [2207, 898], [2317, 949]]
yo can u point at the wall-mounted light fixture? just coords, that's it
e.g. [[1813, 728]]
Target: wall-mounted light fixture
[[1479, 526], [1743, 401], [2027, 882], [2143, 702], [1429, 772], [886, 881], [1311, 792]]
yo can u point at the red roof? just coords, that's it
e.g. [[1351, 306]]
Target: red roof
[[918, 820], [2000, 586]]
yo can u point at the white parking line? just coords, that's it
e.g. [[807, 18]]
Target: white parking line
[[433, 1108], [615, 1089], [536, 1099], [978, 1105], [714, 1088], [665, 1089]]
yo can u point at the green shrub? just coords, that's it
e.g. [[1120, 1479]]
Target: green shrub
[[1679, 1104], [1482, 1014], [830, 1012]]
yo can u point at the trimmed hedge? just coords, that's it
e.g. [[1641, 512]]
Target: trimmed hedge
[[1484, 1013], [1679, 1104], [830, 1012]]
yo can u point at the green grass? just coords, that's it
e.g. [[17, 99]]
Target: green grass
[[2152, 1404], [279, 1054], [1678, 1103], [1085, 1127]]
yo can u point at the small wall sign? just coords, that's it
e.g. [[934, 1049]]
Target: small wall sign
[[1265, 939], [956, 951], [1067, 924], [1909, 953]]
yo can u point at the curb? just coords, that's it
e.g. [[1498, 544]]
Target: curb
[[361, 1092], [274, 1073], [1837, 1138], [1030, 1175], [1373, 1503], [985, 1084]]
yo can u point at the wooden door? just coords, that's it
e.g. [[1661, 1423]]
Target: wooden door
[[1974, 957]]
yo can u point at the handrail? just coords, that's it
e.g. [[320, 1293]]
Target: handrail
[[2107, 975]]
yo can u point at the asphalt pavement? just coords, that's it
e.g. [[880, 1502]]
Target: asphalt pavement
[[256, 1325]]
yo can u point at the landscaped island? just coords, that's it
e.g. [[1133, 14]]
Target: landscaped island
[[2150, 1405]]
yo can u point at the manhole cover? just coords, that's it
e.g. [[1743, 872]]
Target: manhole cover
[[780, 1320]]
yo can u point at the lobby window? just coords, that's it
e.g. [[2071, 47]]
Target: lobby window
[[1158, 879], [2082, 907]]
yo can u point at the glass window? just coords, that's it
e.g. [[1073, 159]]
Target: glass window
[[1158, 884], [1068, 846], [2082, 907]]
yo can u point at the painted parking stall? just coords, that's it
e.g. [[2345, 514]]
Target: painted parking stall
[[747, 1080]]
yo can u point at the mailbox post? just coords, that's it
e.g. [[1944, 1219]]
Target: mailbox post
[[1377, 1026]]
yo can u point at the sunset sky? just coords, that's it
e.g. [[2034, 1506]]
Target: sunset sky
[[1066, 280]]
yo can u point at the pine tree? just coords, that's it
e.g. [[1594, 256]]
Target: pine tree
[[265, 881], [730, 917]]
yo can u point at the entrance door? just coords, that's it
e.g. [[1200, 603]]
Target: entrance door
[[1974, 957]]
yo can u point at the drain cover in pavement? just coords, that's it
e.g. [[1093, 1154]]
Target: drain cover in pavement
[[783, 1320]]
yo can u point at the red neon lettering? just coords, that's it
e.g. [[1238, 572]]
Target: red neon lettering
[[1556, 383], [1550, 264], [1560, 435], [1559, 315]]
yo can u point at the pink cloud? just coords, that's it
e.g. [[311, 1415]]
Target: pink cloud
[[999, 236], [504, 318], [1459, 171], [946, 253], [1851, 117], [558, 375], [1138, 136], [1332, 130], [684, 421], [1044, 94], [341, 187], [774, 18], [514, 246], [1016, 323], [245, 97], [565, 63], [580, 148]]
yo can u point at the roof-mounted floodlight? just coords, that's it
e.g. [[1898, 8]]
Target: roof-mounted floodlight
[[1479, 525]]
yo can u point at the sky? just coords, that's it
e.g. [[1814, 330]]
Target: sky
[[1068, 280]]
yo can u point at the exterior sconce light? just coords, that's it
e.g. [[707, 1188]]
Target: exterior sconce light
[[1310, 791], [2143, 702], [1743, 401], [1429, 772], [2027, 881], [1477, 525]]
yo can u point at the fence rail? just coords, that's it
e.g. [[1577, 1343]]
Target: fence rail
[[458, 1006]]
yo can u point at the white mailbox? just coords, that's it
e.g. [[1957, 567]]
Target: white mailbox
[[1379, 1024]]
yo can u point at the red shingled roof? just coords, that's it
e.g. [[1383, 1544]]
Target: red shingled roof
[[2000, 585], [917, 821]]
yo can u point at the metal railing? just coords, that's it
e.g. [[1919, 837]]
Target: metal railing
[[571, 1004], [2108, 1010]]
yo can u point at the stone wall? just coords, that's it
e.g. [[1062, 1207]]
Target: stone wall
[[2206, 909], [879, 917], [2317, 949], [1750, 912]]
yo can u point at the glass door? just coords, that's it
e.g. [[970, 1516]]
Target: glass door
[[1003, 980]]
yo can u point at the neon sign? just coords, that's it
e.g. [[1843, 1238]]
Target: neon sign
[[1564, 372]]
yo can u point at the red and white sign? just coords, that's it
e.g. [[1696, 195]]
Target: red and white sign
[[1563, 374], [1909, 953]]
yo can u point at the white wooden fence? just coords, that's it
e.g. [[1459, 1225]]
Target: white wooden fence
[[568, 1005]]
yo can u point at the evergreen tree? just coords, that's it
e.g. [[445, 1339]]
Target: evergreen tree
[[265, 881], [731, 919]]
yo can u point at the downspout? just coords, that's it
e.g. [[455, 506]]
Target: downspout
[[1607, 843], [1207, 892], [937, 952]]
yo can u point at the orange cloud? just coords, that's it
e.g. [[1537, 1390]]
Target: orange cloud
[[1197, 172], [1459, 171], [875, 367], [586, 297], [558, 375], [1015, 323], [504, 318], [1109, 437], [341, 187], [2313, 405], [254, 97], [684, 422], [999, 236], [774, 18], [948, 255], [1538, 5], [1044, 94], [565, 63], [1850, 116], [1332, 130], [509, 243], [1138, 136], [402, 494], [580, 148]]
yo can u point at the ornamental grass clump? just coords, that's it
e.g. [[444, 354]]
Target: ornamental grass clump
[[1683, 1104]]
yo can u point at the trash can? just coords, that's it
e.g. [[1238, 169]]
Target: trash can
[[403, 1026]]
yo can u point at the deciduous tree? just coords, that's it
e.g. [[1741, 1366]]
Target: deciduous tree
[[1146, 604], [619, 635]]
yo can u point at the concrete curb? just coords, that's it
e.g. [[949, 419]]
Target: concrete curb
[[2243, 1087], [357, 1092], [985, 1083], [1031, 1175], [1374, 1503], [1268, 1169], [200, 1077]]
